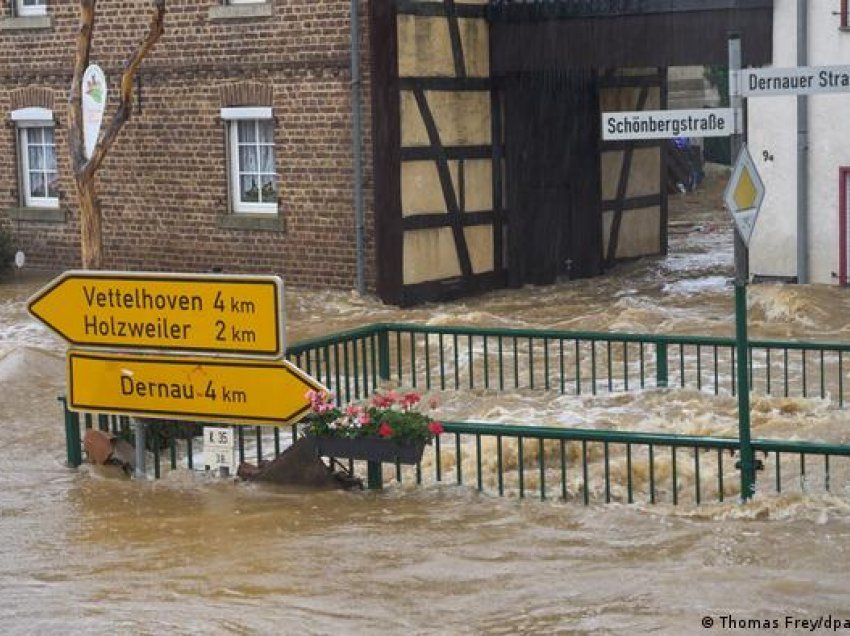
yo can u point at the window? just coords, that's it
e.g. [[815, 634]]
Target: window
[[253, 173], [844, 17], [39, 175], [32, 7]]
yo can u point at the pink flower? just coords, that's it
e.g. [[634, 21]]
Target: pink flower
[[365, 418], [436, 428], [352, 410], [324, 407], [410, 399], [385, 430], [385, 400]]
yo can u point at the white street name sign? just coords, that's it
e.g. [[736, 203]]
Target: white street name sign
[[668, 124], [767, 82]]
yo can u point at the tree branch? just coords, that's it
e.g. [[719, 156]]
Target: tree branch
[[75, 104], [131, 66]]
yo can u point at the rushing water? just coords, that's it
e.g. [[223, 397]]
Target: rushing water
[[82, 551]]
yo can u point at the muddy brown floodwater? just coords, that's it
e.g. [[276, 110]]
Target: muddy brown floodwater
[[84, 552]]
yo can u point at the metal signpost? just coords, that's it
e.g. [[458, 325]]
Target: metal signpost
[[129, 313], [740, 191], [743, 197]]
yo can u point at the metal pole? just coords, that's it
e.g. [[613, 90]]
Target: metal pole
[[736, 102], [357, 133], [747, 465], [140, 450], [802, 149], [747, 468]]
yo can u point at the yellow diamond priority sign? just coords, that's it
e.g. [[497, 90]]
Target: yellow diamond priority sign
[[744, 194]]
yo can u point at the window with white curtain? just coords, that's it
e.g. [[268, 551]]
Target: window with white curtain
[[39, 174], [253, 173], [32, 7]]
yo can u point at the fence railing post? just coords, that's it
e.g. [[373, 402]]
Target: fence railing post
[[374, 476], [661, 373], [73, 443], [384, 353]]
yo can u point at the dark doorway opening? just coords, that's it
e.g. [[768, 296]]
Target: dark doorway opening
[[553, 185]]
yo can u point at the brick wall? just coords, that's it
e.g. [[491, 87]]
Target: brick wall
[[163, 186]]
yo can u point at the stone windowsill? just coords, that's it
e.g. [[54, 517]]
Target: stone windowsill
[[26, 23], [267, 222], [240, 11], [40, 215]]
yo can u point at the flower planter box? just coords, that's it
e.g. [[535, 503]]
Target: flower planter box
[[373, 449]]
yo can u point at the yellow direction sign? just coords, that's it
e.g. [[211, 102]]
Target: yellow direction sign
[[744, 194], [209, 313], [227, 390]]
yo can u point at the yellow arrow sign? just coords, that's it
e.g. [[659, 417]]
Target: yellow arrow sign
[[208, 313], [228, 390]]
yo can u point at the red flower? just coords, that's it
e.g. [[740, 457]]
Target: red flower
[[381, 401], [410, 399], [385, 430], [436, 428]]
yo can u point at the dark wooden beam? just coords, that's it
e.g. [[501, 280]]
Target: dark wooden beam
[[438, 9], [441, 219], [386, 144], [631, 203], [425, 153], [445, 83]]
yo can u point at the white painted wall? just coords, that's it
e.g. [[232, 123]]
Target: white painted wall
[[772, 127]]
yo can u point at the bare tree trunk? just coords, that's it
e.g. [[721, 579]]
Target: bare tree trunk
[[91, 236], [85, 170]]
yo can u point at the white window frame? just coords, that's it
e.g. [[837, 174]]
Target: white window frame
[[30, 10], [26, 118], [232, 116]]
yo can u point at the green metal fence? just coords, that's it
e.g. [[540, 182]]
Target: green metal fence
[[352, 363], [586, 465]]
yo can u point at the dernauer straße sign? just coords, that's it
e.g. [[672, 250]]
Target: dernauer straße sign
[[805, 80]]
